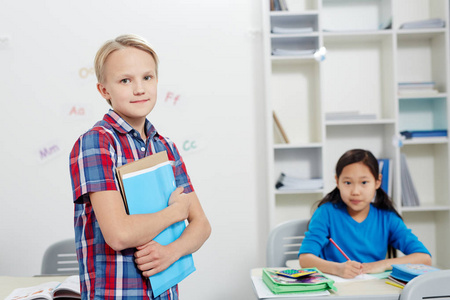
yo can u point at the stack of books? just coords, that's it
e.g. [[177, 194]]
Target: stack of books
[[403, 273], [421, 88], [409, 134], [281, 281]]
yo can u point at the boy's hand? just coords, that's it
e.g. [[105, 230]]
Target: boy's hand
[[153, 258], [350, 269], [181, 202]]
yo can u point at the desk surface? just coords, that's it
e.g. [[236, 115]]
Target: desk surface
[[375, 289], [10, 283]]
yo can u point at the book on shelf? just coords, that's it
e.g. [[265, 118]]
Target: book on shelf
[[422, 24], [292, 52], [279, 128], [313, 282], [406, 272], [348, 116], [385, 168], [291, 30], [146, 185], [68, 289], [278, 5], [286, 182], [409, 192]]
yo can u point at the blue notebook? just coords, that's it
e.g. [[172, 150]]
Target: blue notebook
[[146, 186], [406, 272]]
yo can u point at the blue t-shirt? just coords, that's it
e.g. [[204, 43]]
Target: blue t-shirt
[[363, 242]]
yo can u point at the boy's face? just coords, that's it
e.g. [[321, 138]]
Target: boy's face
[[130, 84]]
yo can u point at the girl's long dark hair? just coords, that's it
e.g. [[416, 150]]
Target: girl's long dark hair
[[382, 200]]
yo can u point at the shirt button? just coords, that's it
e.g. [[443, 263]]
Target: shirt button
[[135, 134], [142, 149]]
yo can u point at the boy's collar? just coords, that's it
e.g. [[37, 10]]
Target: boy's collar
[[122, 126]]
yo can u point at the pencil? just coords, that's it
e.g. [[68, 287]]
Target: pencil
[[340, 250]]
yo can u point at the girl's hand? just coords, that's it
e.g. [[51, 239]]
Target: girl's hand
[[375, 267], [349, 269]]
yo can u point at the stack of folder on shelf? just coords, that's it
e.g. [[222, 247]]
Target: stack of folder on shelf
[[281, 281], [421, 88], [291, 30], [422, 24], [409, 134], [348, 116], [286, 182], [292, 52], [403, 273], [409, 193]]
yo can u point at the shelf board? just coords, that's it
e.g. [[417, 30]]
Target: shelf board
[[360, 122], [426, 140], [297, 146], [295, 192], [293, 35], [424, 208], [356, 36], [295, 59], [418, 96], [406, 34], [281, 13]]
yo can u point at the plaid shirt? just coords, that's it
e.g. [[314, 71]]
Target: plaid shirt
[[105, 273]]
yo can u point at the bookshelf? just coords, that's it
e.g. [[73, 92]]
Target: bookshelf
[[368, 56]]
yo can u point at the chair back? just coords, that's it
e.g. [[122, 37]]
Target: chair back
[[284, 242], [60, 259], [434, 285]]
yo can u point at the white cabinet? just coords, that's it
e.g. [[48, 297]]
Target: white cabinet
[[368, 54]]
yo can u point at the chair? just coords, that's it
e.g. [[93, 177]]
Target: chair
[[433, 285], [60, 259], [284, 242]]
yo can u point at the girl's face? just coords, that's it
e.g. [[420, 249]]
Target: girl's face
[[357, 187]]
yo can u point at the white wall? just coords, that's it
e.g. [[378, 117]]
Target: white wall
[[211, 55]]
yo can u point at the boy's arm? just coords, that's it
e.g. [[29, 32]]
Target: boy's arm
[[348, 269], [152, 257], [122, 231]]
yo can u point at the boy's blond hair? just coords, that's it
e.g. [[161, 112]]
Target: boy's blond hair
[[121, 42]]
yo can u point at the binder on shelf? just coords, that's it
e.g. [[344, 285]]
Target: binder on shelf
[[286, 182], [409, 193], [417, 88], [385, 167], [422, 24], [280, 128], [409, 134], [146, 185]]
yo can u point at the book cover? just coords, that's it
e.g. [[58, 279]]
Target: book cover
[[385, 169], [406, 272], [146, 186]]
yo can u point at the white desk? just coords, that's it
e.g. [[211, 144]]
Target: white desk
[[375, 289], [10, 283]]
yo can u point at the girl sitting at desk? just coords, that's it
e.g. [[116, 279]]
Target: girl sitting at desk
[[361, 220]]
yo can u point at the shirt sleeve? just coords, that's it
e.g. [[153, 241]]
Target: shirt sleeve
[[402, 238], [318, 231], [92, 164], [181, 176]]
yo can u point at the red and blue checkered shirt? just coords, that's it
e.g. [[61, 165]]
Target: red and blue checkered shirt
[[111, 143]]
